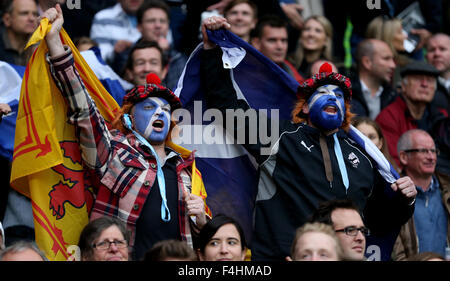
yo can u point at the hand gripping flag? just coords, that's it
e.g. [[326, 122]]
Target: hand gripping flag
[[198, 187], [230, 173], [46, 161]]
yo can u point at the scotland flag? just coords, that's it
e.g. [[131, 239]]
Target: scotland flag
[[229, 172], [116, 86], [10, 84]]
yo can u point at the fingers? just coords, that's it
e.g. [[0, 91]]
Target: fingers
[[50, 14], [58, 9], [194, 204], [406, 186], [5, 108], [212, 23], [215, 22], [53, 14]]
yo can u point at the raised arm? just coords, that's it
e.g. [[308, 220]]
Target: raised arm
[[91, 129], [220, 94]]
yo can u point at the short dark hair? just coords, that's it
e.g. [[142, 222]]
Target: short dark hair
[[237, 2], [211, 227], [143, 44], [152, 4], [268, 20], [6, 7], [365, 48], [94, 229], [325, 209], [170, 249]]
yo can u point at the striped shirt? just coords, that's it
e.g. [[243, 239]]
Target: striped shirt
[[111, 25]]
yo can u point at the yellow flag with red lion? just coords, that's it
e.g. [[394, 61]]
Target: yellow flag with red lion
[[47, 165]]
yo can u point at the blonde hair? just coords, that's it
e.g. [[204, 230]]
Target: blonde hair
[[384, 30], [320, 228], [327, 49]]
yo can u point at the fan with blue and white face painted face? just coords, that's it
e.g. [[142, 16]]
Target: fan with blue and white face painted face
[[152, 119], [327, 107]]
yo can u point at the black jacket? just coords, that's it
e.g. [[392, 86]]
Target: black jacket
[[292, 180], [359, 104]]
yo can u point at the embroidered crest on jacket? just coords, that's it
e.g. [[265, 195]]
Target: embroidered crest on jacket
[[353, 159]]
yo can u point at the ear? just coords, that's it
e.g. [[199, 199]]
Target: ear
[[403, 157], [139, 28], [366, 62], [403, 85], [6, 19]]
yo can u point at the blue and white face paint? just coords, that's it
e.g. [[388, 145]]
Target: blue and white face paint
[[327, 107], [152, 119]]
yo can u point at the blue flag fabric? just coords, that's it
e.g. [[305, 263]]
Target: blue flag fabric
[[230, 173], [112, 82], [10, 84]]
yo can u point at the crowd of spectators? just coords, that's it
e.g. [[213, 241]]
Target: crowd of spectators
[[400, 101]]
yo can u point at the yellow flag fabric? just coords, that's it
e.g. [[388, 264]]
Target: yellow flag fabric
[[46, 160], [47, 164], [198, 187]]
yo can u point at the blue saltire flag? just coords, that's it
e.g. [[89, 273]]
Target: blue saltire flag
[[229, 172], [10, 84], [112, 82]]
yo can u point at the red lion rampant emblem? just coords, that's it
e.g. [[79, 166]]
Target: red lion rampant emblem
[[76, 189]]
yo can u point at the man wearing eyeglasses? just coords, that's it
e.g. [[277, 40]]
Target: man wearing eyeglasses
[[428, 229], [344, 216]]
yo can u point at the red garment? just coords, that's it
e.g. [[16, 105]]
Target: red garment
[[289, 68], [394, 120], [123, 171]]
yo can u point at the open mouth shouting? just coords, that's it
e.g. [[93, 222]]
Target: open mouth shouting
[[330, 109], [158, 125]]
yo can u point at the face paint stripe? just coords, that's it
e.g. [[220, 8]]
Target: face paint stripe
[[145, 116], [320, 100]]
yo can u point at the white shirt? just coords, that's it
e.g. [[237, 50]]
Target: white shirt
[[445, 82], [373, 102]]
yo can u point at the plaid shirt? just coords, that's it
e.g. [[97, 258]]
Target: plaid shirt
[[123, 169]]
